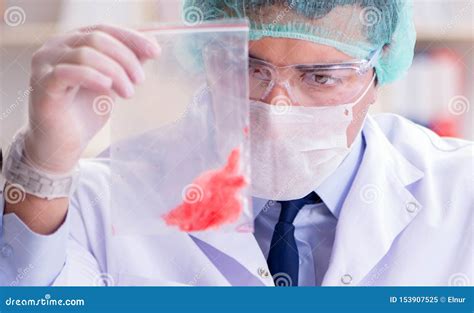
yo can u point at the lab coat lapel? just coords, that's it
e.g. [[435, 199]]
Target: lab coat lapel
[[242, 247], [377, 208]]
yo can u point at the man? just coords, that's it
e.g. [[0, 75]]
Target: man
[[391, 205]]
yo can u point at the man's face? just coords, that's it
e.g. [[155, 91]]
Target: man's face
[[283, 51]]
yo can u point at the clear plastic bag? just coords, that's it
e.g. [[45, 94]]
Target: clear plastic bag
[[182, 162]]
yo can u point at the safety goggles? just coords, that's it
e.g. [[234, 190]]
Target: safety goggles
[[310, 84]]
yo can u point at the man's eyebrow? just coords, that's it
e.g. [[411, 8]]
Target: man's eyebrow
[[255, 57], [310, 65]]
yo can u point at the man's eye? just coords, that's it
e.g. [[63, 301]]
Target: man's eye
[[260, 73], [315, 79]]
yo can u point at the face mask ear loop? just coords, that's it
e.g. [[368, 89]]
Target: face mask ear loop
[[352, 104]]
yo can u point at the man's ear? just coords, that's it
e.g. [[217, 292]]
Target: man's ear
[[375, 92], [374, 95]]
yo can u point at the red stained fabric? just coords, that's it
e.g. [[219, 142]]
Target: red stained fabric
[[212, 199]]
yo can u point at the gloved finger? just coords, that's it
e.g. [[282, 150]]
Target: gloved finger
[[113, 48], [65, 76], [143, 47], [90, 57]]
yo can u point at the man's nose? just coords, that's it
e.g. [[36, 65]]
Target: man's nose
[[279, 95]]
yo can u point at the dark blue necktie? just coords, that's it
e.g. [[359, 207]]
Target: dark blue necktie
[[283, 259]]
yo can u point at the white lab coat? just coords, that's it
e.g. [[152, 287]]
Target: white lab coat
[[407, 220]]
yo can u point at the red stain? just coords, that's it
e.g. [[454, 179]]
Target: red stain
[[218, 202], [246, 131]]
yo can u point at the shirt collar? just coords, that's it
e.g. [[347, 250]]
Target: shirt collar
[[334, 189]]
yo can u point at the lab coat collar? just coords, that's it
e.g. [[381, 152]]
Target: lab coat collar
[[377, 208]]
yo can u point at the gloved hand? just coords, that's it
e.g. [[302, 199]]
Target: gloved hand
[[75, 79]]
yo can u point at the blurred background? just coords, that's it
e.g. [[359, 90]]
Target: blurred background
[[438, 91]]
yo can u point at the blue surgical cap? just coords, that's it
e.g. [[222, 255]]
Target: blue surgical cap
[[355, 27]]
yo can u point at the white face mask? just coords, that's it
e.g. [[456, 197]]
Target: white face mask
[[294, 148]]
